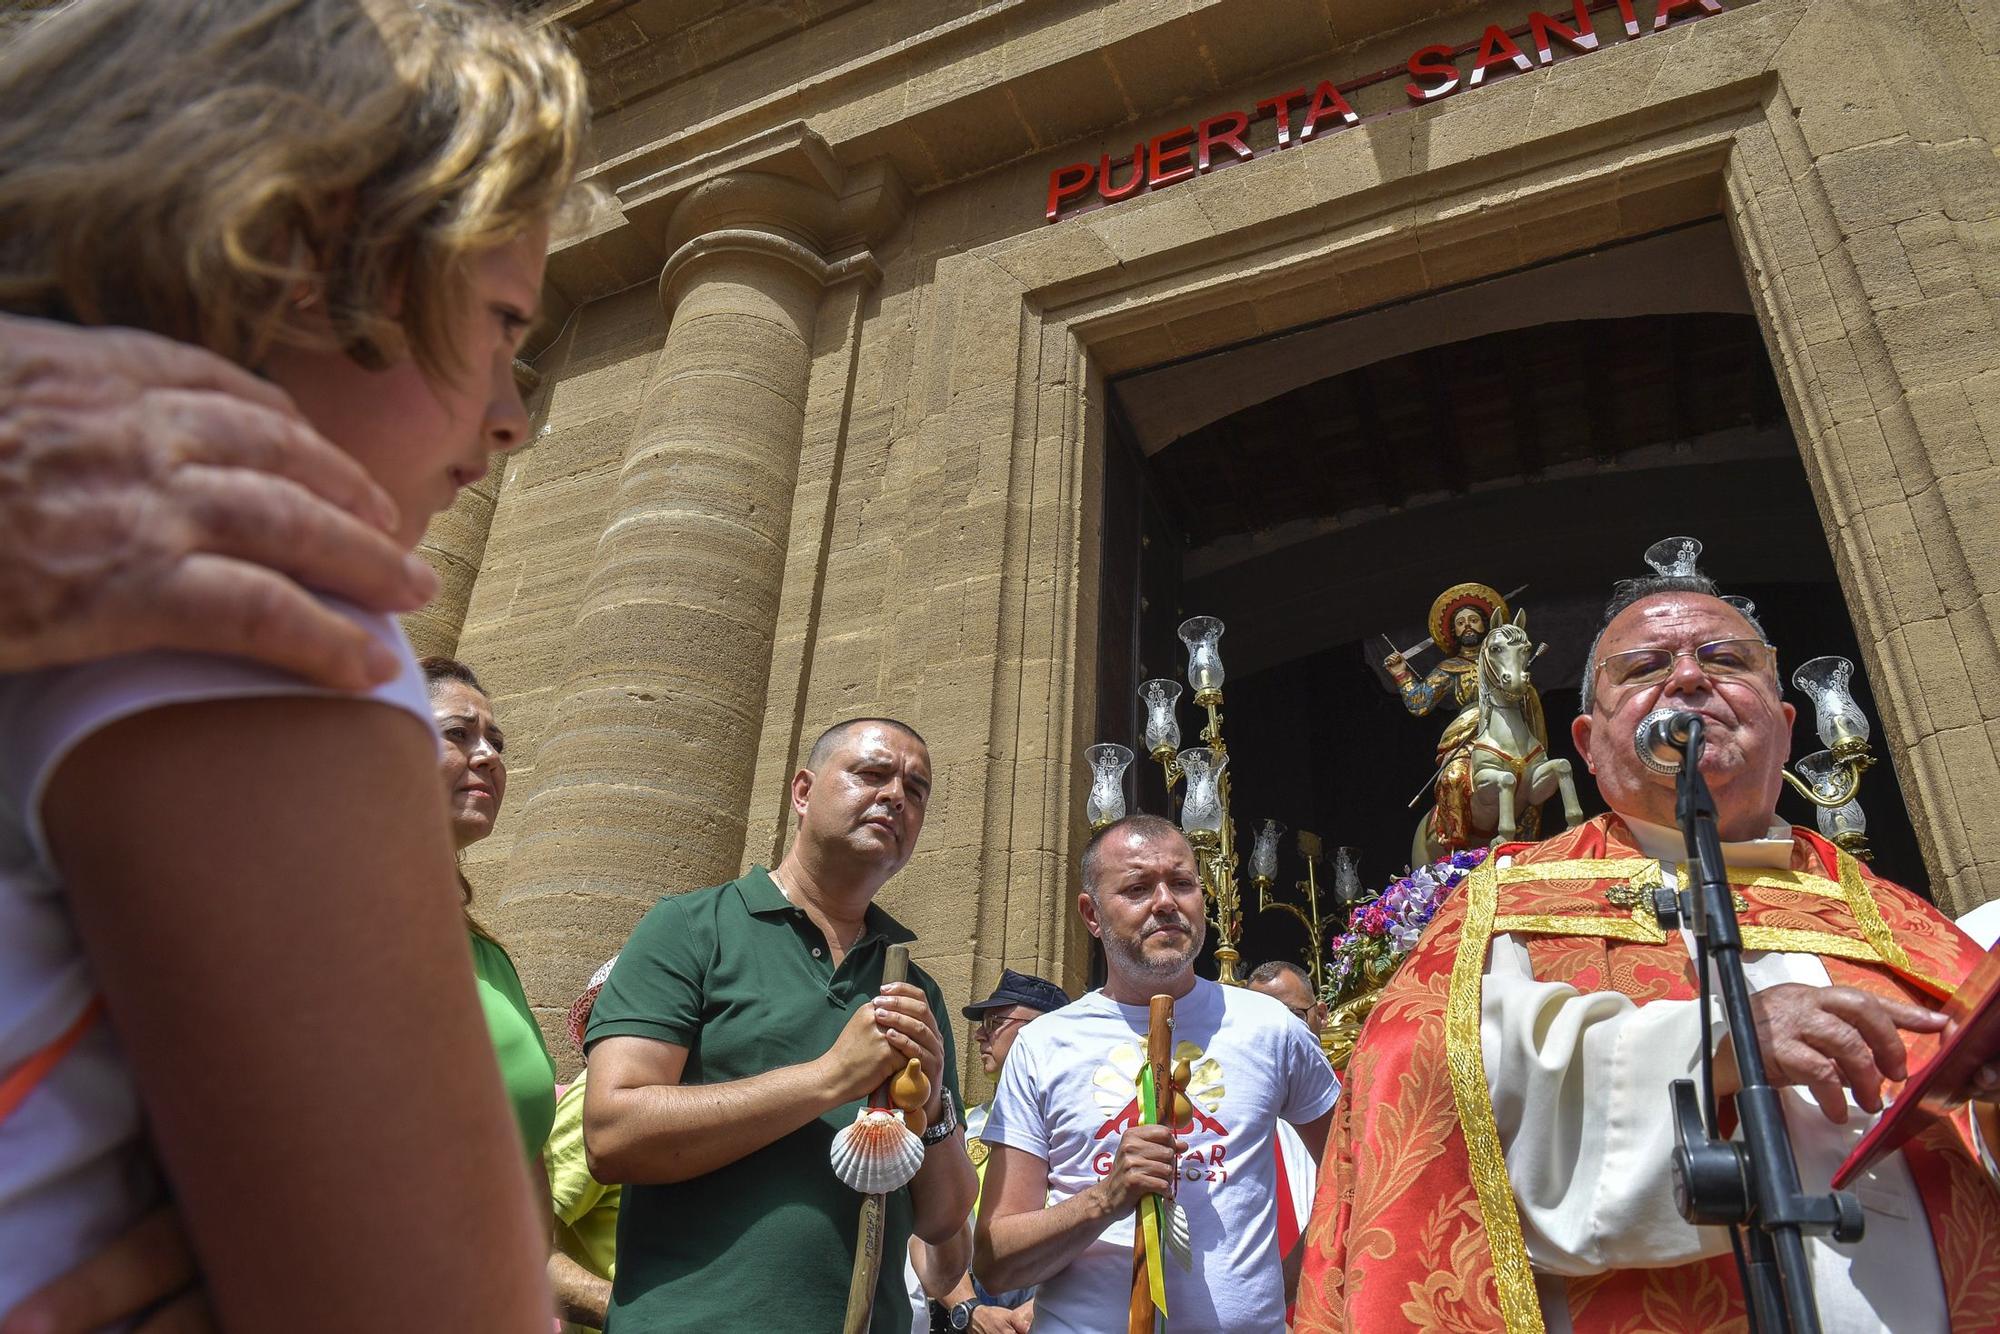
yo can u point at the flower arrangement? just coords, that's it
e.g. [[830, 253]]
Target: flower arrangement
[[1382, 931]]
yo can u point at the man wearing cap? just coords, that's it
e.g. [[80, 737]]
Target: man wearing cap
[[586, 1210], [739, 1033], [960, 1303]]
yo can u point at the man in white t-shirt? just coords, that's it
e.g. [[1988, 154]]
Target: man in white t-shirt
[[1068, 1162]]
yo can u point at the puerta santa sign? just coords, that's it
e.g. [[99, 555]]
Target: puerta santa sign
[[1303, 114]]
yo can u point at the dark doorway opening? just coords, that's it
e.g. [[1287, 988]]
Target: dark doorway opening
[[1318, 521]]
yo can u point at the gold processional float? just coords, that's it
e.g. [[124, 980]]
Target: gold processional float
[[1493, 775]]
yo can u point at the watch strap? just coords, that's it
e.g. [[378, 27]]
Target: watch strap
[[947, 1122]]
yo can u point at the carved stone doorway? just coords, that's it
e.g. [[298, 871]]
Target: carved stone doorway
[[1317, 496]]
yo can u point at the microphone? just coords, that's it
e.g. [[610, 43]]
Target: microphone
[[1662, 739]]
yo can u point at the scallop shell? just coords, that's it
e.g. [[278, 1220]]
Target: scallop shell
[[877, 1154]]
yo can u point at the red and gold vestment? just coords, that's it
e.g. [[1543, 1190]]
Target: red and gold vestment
[[1416, 1225]]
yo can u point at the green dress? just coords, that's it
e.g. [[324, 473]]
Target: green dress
[[525, 1067]]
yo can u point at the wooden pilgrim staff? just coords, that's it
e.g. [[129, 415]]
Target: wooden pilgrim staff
[[879, 1153], [1149, 1223]]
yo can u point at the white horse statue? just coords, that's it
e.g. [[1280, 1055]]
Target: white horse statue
[[1494, 766]]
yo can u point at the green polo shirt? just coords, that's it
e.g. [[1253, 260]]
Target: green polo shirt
[[742, 979]]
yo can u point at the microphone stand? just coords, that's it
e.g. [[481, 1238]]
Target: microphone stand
[[1752, 1185]]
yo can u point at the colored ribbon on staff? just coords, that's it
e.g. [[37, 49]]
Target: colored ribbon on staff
[[1151, 1220]]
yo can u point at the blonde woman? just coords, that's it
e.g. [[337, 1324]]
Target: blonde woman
[[227, 900]]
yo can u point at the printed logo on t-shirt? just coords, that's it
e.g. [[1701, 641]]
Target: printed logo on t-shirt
[[1116, 1088]]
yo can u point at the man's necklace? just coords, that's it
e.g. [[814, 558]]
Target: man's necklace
[[843, 946]]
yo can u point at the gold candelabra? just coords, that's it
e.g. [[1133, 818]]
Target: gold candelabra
[[1204, 774], [1200, 774], [1263, 872], [1831, 779]]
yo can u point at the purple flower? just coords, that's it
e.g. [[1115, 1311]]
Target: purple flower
[[1383, 930]]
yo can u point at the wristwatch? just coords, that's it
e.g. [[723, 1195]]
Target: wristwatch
[[946, 1123], [961, 1314]]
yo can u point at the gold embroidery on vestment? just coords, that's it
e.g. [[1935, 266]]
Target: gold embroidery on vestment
[[1641, 926], [1519, 1304], [1802, 882], [1520, 1307], [1627, 895], [1793, 940], [1869, 917]]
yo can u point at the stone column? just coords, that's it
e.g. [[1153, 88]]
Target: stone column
[[456, 540], [644, 778], [1867, 207]]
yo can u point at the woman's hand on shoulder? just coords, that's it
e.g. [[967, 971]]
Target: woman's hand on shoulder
[[154, 495]]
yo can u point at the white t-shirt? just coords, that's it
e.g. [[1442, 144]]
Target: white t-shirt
[[1068, 1092], [1301, 1175], [74, 1171]]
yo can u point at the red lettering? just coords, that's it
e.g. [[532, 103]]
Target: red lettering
[[1433, 62], [1113, 193], [1665, 13], [1630, 19], [1162, 151], [1497, 48], [1280, 107], [1583, 37], [1215, 1154], [1211, 133], [1066, 183], [1327, 101], [1101, 1164]]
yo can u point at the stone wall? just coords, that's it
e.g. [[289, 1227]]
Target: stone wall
[[844, 455]]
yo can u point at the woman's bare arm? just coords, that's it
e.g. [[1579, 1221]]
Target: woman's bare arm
[[265, 890]]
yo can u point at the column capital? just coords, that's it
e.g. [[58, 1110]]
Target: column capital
[[800, 195], [856, 265], [785, 180]]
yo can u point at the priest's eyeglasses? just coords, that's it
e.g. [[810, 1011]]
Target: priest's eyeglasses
[[1719, 661]]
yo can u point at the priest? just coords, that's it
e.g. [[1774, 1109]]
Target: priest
[[1501, 1159]]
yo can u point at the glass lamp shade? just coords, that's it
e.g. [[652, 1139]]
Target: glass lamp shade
[[1264, 851], [1203, 635], [1201, 807], [1674, 556], [1834, 821], [1347, 874], [1825, 683], [1163, 726], [1108, 762], [1822, 773]]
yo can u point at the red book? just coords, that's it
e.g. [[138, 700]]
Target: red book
[[1944, 1082]]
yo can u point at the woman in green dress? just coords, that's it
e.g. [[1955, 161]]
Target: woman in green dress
[[472, 756]]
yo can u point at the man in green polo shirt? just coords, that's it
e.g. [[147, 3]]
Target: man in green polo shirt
[[739, 1032]]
